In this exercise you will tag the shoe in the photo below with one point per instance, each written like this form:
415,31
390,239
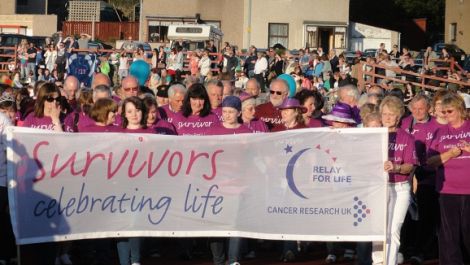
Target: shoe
330,259
250,255
289,256
348,254
416,260
65,259
135,263
235,263
400,258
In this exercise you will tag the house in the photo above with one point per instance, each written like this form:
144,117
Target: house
293,23
457,23
14,20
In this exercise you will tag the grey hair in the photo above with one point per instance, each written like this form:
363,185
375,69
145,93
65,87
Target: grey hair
419,97
215,82
102,88
350,90
176,88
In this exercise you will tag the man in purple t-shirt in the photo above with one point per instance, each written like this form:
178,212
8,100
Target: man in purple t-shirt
176,94
268,112
215,89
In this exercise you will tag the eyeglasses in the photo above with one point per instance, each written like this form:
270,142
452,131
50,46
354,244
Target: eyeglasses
275,92
134,89
52,99
449,111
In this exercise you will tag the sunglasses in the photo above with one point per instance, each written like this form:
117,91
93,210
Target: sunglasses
449,111
52,99
275,92
134,89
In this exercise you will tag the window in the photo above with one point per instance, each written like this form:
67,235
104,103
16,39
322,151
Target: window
453,32
311,34
278,33
340,38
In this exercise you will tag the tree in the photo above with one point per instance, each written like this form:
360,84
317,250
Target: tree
125,6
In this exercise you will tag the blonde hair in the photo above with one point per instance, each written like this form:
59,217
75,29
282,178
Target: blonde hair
394,104
456,101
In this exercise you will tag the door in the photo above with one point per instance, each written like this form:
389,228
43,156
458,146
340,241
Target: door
325,39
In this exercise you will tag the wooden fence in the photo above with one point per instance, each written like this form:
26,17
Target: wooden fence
104,31
6,53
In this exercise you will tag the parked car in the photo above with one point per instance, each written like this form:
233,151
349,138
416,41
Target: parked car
452,49
369,52
350,56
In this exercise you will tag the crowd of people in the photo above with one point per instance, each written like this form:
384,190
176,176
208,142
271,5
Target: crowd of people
429,134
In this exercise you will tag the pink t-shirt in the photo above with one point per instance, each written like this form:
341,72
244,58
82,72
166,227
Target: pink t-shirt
257,126
45,123
83,120
314,123
163,127
194,124
218,113
424,133
97,128
221,130
165,113
401,150
454,176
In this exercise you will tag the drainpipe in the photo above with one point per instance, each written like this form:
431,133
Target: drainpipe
249,24
141,30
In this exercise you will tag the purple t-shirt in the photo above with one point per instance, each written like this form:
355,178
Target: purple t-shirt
83,120
141,130
97,128
163,127
165,113
221,130
257,126
45,123
423,134
401,150
314,123
453,177
218,113
195,124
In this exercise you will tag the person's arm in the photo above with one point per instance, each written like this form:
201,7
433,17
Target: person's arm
441,159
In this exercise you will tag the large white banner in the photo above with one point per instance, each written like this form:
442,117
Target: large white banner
313,184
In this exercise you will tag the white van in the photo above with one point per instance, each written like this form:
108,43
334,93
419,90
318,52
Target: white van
194,36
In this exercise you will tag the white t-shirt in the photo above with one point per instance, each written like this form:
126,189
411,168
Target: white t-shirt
4,122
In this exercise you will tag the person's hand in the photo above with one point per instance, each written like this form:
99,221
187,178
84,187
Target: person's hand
388,166
465,146
55,113
455,152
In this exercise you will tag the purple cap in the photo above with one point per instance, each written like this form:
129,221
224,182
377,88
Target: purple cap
292,103
341,112
232,102
244,96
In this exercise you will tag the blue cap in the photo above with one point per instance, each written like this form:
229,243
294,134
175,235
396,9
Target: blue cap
232,102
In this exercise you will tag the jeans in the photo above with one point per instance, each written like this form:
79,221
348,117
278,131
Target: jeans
129,248
428,210
455,228
397,206
364,253
31,67
234,245
218,250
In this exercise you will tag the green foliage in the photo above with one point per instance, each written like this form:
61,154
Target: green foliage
125,6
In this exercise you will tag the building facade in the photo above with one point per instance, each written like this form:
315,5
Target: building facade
12,21
457,23
293,23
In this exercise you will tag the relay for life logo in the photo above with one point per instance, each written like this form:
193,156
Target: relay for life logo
325,171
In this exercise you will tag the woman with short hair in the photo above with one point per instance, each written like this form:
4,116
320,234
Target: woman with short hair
248,114
450,155
103,114
400,165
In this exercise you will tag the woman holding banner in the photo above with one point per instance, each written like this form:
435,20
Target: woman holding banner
400,165
450,154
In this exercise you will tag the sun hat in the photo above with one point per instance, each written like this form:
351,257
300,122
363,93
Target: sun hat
292,103
341,112
232,102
